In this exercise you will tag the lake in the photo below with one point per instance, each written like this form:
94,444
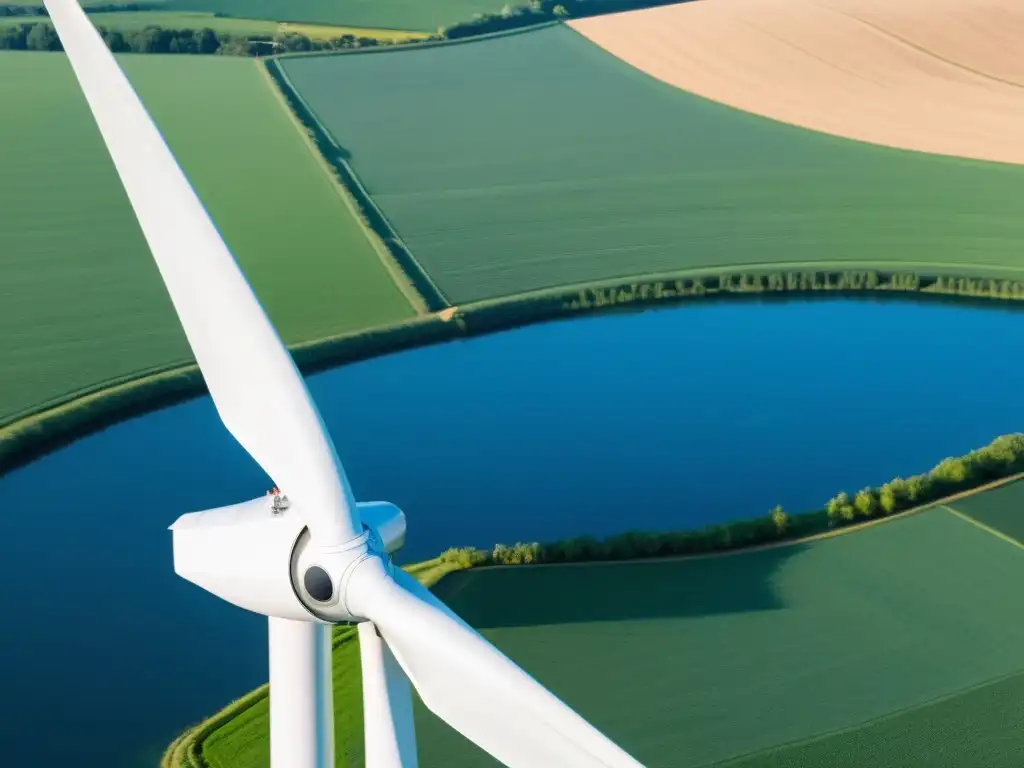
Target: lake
661,419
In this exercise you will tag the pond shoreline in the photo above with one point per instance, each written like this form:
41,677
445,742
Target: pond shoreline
38,433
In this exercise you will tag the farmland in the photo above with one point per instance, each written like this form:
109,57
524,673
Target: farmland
914,74
392,14
523,170
84,304
134,20
868,641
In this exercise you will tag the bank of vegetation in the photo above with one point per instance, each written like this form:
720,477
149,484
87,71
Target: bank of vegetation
155,38
999,462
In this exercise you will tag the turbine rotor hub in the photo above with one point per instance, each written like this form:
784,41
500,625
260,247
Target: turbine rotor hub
320,575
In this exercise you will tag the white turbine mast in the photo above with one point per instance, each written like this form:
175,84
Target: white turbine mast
320,559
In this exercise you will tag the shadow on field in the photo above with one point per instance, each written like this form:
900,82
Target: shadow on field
517,596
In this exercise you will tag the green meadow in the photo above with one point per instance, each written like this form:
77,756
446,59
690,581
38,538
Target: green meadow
869,641
1001,509
389,14
134,20
83,303
537,160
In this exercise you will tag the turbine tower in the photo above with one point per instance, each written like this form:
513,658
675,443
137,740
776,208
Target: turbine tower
320,558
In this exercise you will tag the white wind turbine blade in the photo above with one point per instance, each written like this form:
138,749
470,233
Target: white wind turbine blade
471,685
390,735
258,392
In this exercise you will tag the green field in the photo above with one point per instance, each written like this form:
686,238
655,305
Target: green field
1001,509
410,15
538,160
389,14
857,642
133,20
83,302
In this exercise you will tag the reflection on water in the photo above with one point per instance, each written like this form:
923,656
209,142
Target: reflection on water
661,419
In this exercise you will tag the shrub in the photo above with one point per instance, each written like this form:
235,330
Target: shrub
865,503
780,520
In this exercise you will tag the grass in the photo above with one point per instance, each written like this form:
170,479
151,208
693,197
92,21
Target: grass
387,14
979,727
84,303
83,3
539,160
1001,509
709,659
133,20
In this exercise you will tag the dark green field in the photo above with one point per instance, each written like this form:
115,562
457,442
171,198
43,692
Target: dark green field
982,727
388,14
694,662
538,160
1001,508
83,303
414,15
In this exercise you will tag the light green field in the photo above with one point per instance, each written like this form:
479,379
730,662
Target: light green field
694,662
414,15
387,14
406,15
83,303
83,3
133,20
538,160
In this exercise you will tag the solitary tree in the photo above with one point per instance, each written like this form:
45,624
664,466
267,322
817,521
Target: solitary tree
780,520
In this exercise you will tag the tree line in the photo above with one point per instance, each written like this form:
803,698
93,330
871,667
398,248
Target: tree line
839,282
1001,458
539,12
40,10
41,36
155,39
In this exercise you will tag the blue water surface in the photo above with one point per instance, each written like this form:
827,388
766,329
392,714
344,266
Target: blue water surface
664,419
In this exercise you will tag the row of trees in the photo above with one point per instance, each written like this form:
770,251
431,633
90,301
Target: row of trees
155,39
1003,457
40,10
538,12
41,36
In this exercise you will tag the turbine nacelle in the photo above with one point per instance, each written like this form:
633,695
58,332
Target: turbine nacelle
260,555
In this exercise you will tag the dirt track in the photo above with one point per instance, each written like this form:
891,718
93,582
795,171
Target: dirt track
943,76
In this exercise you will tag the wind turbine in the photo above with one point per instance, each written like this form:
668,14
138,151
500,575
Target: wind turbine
322,558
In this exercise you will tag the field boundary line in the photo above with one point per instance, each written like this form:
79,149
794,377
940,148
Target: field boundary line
404,258
725,763
778,544
978,524
394,270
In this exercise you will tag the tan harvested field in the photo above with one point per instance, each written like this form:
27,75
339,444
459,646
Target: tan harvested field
941,76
